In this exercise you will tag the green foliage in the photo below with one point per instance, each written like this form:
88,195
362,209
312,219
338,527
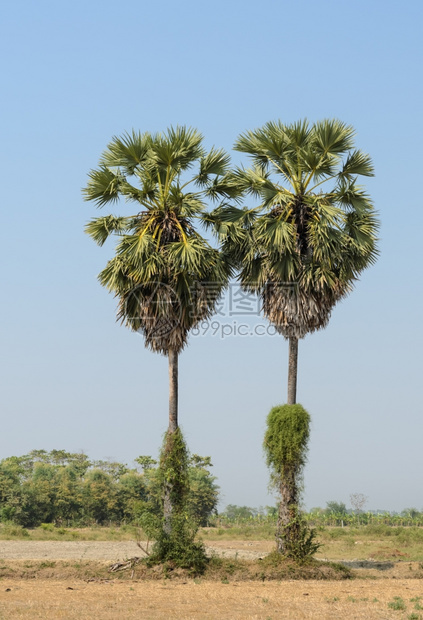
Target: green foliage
64,488
162,268
398,604
176,547
285,445
300,540
238,513
174,529
173,469
14,531
286,439
337,508
98,495
203,494
314,229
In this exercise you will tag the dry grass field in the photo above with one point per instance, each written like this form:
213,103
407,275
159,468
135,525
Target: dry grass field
204,600
70,579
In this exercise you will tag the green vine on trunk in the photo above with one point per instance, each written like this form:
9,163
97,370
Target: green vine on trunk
285,446
173,469
175,530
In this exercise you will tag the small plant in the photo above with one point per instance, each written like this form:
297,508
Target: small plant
397,604
418,606
414,616
47,564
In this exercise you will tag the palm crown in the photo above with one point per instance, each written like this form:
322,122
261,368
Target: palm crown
315,229
165,274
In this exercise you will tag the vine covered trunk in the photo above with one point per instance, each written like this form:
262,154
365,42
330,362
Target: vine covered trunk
287,529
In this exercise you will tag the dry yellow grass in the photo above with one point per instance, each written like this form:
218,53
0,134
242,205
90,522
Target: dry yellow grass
188,600
48,581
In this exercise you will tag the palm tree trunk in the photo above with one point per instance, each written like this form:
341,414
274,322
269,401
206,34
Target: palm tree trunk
173,425
292,371
173,391
287,525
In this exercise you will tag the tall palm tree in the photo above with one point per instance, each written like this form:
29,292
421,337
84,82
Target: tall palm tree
165,275
314,230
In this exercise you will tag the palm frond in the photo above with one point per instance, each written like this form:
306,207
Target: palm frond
101,228
103,186
216,162
177,149
332,136
357,162
127,152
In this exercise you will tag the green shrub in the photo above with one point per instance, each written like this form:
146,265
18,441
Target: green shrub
397,604
14,531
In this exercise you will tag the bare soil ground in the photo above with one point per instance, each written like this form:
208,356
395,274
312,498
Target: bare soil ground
113,551
51,597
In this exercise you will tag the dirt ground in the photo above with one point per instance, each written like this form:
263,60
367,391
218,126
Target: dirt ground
113,551
379,594
197,600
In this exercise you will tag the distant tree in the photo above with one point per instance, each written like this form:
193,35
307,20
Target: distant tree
412,513
146,462
234,512
99,497
131,496
203,494
11,475
271,511
358,501
68,491
336,508
112,468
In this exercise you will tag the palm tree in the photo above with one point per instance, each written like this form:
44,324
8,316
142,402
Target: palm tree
164,274
314,230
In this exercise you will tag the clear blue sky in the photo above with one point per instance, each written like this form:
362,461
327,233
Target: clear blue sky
76,73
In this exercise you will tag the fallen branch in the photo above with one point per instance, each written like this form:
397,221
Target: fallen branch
141,547
118,566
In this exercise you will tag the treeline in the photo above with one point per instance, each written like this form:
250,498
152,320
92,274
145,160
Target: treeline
334,515
69,489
